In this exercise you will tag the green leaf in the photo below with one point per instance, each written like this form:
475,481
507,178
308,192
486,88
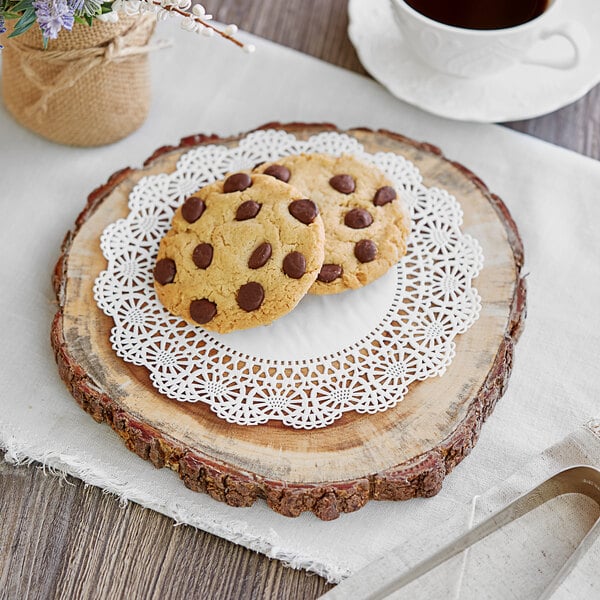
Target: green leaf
24,23
22,6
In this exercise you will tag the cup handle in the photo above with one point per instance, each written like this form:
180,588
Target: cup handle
575,34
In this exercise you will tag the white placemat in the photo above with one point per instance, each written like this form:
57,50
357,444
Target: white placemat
203,86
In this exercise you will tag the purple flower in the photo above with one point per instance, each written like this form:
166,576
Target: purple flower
2,28
52,16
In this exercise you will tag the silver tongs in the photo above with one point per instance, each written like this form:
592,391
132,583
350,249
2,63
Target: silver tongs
366,584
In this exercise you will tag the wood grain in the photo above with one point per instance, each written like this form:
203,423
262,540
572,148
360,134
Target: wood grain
73,516
61,539
402,453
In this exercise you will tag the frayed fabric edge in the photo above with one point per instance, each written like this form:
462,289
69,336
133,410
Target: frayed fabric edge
593,425
62,465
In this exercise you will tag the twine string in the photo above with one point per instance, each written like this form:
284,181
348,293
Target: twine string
75,64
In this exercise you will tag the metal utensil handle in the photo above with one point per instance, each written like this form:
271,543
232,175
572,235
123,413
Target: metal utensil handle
579,479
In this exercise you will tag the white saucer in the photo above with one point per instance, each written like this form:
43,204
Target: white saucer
521,92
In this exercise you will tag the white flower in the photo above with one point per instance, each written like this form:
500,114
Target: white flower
129,7
195,22
91,7
188,24
198,10
111,17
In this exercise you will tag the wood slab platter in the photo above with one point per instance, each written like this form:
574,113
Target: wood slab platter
399,454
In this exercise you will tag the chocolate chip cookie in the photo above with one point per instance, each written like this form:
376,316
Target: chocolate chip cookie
241,252
366,222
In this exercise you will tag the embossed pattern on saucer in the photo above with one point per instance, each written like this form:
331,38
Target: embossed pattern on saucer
521,92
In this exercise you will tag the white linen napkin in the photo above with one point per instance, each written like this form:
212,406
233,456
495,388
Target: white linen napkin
204,86
519,560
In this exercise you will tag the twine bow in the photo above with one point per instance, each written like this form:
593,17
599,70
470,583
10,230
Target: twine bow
75,64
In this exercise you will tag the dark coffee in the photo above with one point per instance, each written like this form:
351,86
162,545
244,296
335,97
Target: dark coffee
480,14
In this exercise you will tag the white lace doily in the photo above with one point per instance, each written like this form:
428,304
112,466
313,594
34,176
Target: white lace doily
356,351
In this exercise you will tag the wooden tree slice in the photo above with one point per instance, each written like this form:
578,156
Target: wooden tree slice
394,455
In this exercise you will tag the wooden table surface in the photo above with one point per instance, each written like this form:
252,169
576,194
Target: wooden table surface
61,539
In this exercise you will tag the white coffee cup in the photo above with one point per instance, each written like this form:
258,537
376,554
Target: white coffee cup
478,52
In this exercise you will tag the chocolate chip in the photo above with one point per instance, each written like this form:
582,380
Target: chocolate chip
192,209
260,256
237,182
342,183
247,210
384,195
202,255
365,251
357,218
202,311
294,265
279,172
165,270
305,211
250,296
329,273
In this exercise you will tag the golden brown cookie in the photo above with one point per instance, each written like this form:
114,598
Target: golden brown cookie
366,222
240,253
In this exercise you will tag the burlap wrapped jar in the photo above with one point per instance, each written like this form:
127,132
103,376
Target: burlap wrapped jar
90,87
